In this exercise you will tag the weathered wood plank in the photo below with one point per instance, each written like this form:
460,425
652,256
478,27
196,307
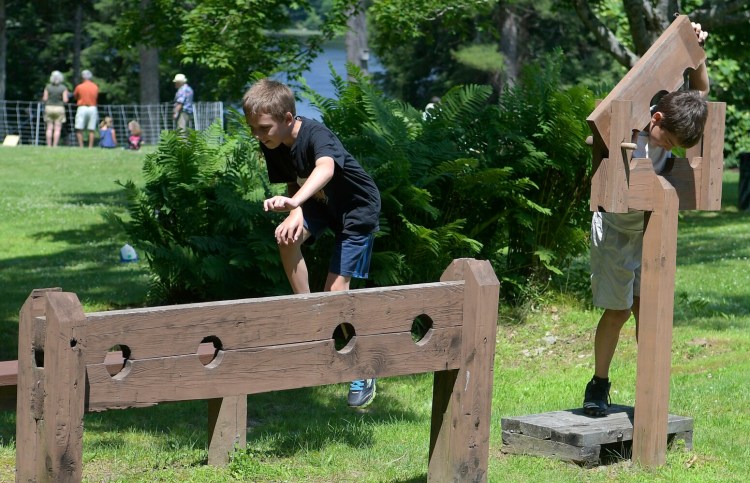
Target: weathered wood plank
516,443
65,385
242,324
659,69
609,185
682,174
460,428
30,397
713,152
658,268
263,369
227,428
572,427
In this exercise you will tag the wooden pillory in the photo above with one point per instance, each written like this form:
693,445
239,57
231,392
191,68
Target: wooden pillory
256,345
620,184
692,183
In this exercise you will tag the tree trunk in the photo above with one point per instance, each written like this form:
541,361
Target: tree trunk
3,50
149,74
149,68
357,49
512,36
77,43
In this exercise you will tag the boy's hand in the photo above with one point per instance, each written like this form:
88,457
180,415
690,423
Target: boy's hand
290,230
700,33
280,203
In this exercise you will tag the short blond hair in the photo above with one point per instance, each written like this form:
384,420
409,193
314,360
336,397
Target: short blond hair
268,96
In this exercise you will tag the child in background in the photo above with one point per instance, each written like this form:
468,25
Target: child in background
107,135
134,140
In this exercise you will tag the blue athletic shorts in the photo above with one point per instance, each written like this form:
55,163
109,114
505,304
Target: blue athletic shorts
351,253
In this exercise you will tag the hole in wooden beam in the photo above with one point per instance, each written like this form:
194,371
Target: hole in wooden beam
39,358
344,337
118,362
421,329
204,351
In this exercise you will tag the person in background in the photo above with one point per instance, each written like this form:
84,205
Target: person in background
134,139
107,135
86,94
182,113
55,97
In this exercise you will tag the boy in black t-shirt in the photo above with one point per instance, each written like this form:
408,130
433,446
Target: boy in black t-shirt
326,187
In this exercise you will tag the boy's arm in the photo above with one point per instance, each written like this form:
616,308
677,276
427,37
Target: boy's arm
698,78
319,177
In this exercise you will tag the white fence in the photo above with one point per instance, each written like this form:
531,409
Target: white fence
26,119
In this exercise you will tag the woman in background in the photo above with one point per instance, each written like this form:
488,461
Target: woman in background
55,97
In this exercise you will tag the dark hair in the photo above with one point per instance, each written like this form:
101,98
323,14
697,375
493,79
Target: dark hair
684,115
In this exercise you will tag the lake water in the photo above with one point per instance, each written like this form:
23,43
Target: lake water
318,77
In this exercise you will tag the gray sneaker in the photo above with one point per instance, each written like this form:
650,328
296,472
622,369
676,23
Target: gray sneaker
361,393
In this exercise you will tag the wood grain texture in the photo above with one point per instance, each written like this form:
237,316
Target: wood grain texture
30,390
461,419
713,153
659,69
222,351
271,368
244,324
655,327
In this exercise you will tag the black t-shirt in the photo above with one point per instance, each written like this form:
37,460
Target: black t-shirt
351,196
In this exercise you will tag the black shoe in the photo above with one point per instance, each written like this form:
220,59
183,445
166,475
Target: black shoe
361,393
596,398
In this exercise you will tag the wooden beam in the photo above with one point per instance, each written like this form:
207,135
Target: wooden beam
655,326
713,154
660,69
462,401
65,386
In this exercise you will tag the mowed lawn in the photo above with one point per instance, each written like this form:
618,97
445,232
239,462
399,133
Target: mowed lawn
52,234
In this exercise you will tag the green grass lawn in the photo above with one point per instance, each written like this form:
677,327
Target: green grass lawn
52,234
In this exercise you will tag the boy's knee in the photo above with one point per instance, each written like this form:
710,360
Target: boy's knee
618,317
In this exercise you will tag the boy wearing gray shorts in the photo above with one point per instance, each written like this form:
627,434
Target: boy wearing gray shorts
326,189
678,119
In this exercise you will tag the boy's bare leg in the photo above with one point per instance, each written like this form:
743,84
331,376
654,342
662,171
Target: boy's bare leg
336,282
295,266
91,139
79,137
605,341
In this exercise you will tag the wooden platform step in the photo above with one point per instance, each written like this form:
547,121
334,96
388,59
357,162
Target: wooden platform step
570,435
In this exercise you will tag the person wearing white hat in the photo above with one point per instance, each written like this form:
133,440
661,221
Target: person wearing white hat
183,103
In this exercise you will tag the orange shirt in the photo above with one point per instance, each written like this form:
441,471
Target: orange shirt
86,93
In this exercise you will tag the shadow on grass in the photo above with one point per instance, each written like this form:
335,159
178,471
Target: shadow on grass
90,267
280,424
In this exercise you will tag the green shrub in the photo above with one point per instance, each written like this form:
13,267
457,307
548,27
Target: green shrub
503,180
506,181
199,218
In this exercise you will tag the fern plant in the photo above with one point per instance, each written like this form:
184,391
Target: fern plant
199,218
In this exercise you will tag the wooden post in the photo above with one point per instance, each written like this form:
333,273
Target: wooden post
713,156
227,427
462,398
65,384
30,393
609,185
658,267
